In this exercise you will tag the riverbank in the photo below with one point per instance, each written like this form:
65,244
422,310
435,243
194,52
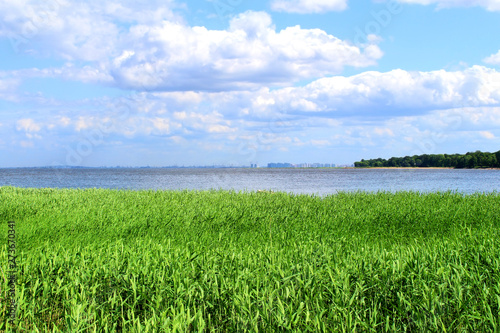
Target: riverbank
229,261
421,168
402,168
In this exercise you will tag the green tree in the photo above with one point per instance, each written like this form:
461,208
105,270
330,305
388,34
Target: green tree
469,160
489,160
362,164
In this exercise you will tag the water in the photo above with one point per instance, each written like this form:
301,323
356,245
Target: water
307,181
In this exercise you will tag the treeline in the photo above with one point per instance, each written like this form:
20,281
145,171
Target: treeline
471,160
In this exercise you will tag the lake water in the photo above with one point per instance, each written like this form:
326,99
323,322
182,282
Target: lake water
308,181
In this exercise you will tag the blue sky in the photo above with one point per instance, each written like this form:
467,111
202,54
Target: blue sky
236,82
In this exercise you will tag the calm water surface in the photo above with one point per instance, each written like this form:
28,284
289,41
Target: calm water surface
308,181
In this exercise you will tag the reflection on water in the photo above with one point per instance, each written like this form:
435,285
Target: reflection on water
310,181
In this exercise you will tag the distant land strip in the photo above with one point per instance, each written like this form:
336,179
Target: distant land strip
469,160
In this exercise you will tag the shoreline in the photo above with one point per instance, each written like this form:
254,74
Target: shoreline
421,168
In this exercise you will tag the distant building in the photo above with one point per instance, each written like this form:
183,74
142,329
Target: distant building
301,165
279,165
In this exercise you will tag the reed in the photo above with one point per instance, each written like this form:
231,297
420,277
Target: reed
99,260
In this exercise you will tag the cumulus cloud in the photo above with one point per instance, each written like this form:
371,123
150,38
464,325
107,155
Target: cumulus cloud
320,114
229,89
76,30
130,46
250,53
494,59
28,125
491,5
381,95
308,6
397,92
337,101
30,128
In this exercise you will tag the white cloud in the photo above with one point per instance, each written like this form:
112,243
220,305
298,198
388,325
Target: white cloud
324,102
64,121
209,121
173,56
76,30
166,54
383,131
383,95
487,135
494,59
28,125
219,129
162,125
476,119
85,74
491,5
397,92
308,6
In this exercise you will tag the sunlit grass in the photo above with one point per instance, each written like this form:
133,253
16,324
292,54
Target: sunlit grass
138,261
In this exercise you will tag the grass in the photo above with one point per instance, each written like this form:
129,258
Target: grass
219,261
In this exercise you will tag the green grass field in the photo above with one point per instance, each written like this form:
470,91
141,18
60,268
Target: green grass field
218,261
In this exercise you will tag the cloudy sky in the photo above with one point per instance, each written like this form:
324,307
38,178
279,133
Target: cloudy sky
234,82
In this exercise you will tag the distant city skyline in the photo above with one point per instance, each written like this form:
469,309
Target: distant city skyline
252,165
233,82
301,165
